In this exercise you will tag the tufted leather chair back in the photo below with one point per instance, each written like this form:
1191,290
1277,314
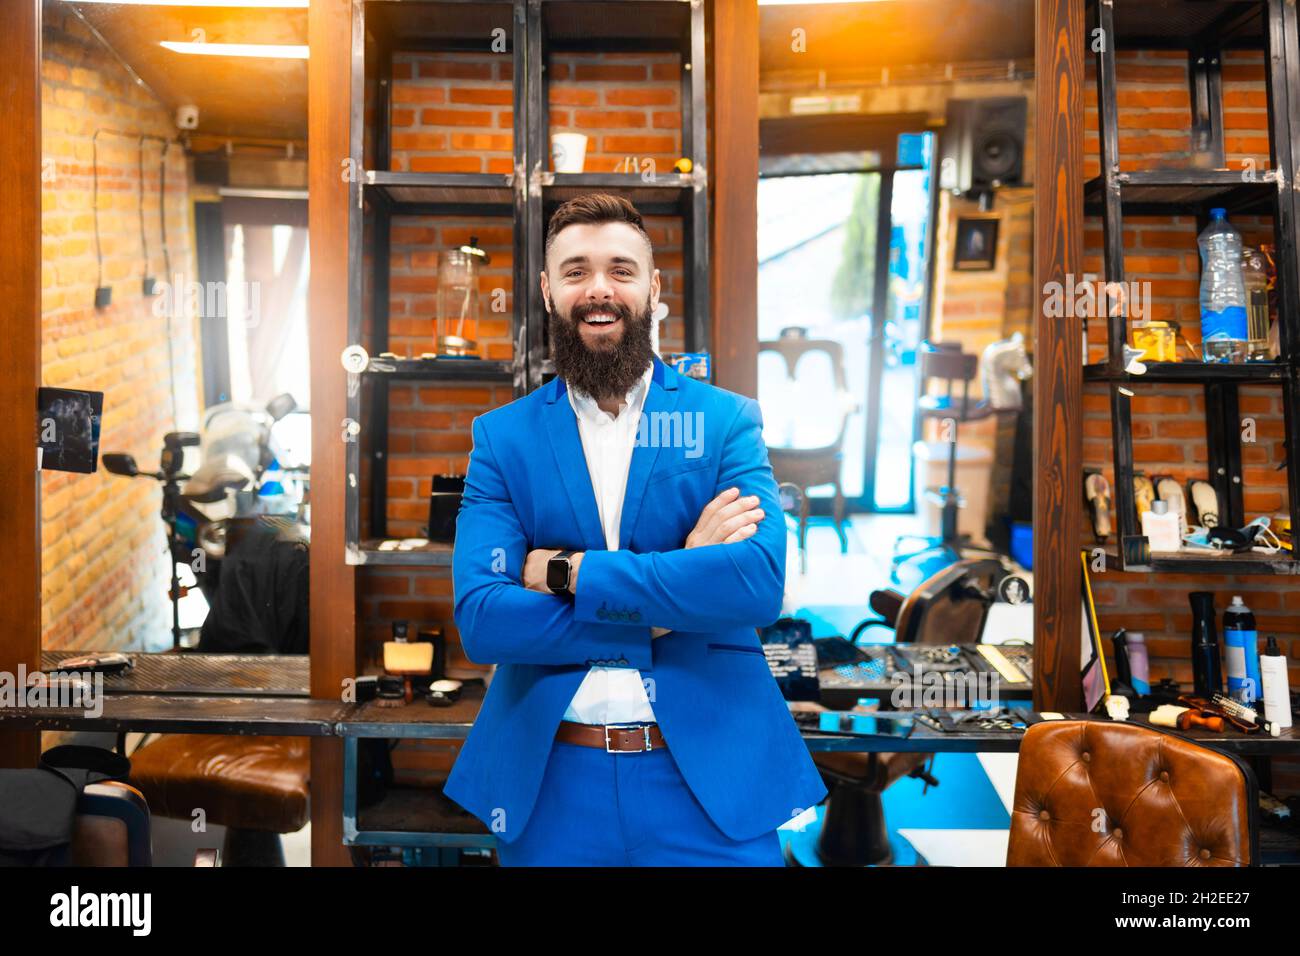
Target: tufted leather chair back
1103,793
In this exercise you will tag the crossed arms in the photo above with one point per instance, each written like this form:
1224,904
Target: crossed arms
725,576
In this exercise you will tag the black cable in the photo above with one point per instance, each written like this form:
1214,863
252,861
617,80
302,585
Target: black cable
94,161
144,238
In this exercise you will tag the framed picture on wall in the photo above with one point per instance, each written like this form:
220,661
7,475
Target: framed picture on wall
976,246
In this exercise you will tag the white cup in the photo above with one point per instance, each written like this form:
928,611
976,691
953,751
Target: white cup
568,151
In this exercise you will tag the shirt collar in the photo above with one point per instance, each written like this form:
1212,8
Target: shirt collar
585,407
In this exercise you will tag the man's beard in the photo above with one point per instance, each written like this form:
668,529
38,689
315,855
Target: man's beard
603,372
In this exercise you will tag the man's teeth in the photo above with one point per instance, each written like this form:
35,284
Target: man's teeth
600,318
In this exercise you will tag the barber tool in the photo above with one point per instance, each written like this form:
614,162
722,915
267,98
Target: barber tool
1166,715
392,692
1117,707
1191,718
443,693
406,659
366,687
1123,683
1240,711
1096,490
1207,678
1001,663
1137,550
1228,716
1277,692
97,663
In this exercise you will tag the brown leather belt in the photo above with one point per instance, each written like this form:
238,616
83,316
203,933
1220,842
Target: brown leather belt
611,737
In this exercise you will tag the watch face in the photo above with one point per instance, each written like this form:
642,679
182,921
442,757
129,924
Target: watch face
557,574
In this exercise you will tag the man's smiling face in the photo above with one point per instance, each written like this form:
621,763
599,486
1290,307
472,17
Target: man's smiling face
600,278
600,287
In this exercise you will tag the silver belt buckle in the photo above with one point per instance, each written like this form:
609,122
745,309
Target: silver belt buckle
645,729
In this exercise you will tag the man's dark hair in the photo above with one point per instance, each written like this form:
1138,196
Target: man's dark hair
596,209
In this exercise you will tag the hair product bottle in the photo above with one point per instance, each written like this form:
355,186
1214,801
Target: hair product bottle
1205,645
1277,689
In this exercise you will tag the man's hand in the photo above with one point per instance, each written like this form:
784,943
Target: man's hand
726,519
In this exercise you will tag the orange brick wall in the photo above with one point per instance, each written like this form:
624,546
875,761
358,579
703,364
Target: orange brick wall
1169,420
104,568
453,113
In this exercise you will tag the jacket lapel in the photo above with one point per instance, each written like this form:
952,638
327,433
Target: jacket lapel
566,443
660,398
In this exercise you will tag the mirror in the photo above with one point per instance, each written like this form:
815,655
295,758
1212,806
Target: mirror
175,268
895,247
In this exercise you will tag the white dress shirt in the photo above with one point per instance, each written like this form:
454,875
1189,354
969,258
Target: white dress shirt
610,695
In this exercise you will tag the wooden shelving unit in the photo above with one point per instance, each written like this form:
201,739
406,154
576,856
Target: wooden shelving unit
533,31
1204,31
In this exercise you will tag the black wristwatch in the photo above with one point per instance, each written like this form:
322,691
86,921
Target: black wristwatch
558,570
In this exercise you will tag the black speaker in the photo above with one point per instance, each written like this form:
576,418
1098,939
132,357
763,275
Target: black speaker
983,144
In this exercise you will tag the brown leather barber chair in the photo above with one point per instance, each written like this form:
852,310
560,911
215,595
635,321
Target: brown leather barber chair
257,787
1103,793
947,608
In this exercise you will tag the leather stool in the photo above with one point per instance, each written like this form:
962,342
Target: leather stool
257,787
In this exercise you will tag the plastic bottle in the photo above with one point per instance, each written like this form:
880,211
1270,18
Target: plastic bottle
1223,293
1207,676
1138,663
1241,652
1277,690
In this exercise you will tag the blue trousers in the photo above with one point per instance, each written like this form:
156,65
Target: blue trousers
625,809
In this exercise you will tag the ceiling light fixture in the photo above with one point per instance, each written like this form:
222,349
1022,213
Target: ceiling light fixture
282,51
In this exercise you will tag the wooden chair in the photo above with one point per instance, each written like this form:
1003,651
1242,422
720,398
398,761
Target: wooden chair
809,467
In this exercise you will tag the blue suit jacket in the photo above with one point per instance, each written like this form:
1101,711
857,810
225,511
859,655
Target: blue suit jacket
718,707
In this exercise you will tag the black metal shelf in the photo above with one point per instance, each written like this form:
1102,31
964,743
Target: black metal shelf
1165,191
1250,562
442,369
429,555
664,194
1193,373
528,33
418,193
1203,30
441,26
617,25
1180,24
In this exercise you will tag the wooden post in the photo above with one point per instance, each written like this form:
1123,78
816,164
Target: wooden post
733,130
20,356
1058,360
333,583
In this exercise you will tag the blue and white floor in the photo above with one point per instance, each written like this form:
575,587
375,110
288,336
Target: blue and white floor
965,820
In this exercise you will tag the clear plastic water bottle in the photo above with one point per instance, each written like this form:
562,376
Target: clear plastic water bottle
1223,292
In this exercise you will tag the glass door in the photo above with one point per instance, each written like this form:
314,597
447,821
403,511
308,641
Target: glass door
843,258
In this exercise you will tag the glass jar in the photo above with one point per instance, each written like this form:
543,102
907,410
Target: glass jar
458,304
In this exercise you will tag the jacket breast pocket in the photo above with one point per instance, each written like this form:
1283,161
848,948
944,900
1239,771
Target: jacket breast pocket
735,649
682,467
